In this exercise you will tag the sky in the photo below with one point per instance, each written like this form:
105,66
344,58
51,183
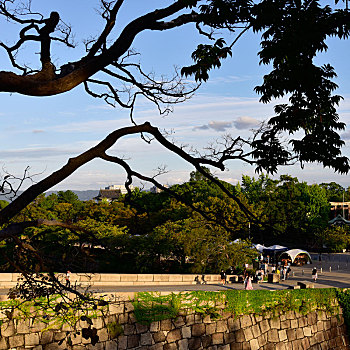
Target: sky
43,132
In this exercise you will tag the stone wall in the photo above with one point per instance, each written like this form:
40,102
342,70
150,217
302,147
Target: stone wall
289,331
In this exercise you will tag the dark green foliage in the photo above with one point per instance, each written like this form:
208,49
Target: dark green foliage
344,301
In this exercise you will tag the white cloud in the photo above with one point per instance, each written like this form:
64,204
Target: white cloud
245,122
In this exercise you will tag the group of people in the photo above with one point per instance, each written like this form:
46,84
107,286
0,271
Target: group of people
284,271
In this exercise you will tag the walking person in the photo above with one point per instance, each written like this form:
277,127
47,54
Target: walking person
68,279
314,274
223,277
248,283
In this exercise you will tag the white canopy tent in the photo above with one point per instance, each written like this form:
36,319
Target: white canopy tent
293,254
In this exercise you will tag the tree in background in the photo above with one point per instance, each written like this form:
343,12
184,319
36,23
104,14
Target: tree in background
293,33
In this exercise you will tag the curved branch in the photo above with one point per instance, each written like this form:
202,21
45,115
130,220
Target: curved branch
99,151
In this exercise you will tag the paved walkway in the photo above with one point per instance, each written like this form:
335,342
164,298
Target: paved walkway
335,273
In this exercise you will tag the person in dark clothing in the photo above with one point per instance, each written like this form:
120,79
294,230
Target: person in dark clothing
223,277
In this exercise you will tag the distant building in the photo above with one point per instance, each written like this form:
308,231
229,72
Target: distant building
155,189
112,193
340,208
122,188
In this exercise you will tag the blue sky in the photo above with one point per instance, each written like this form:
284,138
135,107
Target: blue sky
44,132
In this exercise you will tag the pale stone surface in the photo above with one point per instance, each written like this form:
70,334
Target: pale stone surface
282,335
154,326
186,332
31,339
183,344
16,341
3,344
254,345
307,331
8,329
217,338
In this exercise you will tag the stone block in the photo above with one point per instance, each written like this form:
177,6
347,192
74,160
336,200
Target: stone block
236,346
282,335
294,324
307,331
198,318
285,324
240,337
262,340
299,333
246,321
128,307
233,324
206,341
128,278
116,308
229,338
31,339
171,346
179,322
3,344
141,328
264,326
248,334
198,329
175,278
133,340
272,336
319,337
8,329
217,338
16,341
166,325
194,343
273,278
145,277
122,342
254,344
311,318
103,334
210,328
221,326
159,337
275,323
306,284
183,344
327,325
173,336
154,326
281,346
302,322
189,320
129,329
306,344
186,332
158,346
146,339
269,346
319,326
290,315
111,345
256,331
46,337
161,278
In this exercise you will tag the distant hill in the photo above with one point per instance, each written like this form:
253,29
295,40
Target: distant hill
82,195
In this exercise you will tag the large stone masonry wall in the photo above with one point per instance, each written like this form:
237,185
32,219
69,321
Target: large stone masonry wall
290,331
